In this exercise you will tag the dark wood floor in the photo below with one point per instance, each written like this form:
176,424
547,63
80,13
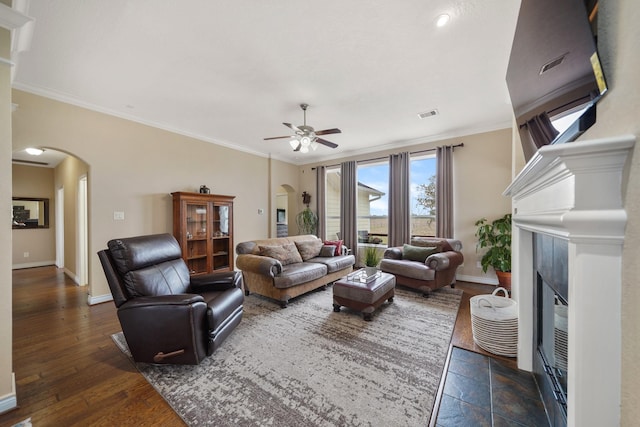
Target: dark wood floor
69,372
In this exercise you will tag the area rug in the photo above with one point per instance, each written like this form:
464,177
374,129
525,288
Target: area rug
307,365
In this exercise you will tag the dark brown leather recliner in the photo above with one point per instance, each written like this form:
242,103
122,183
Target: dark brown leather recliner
166,315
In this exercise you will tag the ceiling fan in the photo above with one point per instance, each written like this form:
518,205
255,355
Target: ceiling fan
306,137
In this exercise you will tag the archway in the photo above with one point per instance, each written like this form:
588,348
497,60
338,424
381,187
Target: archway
56,175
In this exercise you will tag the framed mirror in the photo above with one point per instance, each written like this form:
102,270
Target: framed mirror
29,213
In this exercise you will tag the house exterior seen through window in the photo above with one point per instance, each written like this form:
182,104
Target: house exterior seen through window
373,200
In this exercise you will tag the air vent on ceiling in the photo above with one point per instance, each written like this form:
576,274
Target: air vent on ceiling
553,63
426,114
30,162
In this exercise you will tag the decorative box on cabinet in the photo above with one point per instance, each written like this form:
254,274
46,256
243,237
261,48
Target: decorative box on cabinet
203,225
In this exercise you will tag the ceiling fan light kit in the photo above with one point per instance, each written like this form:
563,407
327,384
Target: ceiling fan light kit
306,137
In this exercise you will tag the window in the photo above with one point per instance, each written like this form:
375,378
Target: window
373,209
423,196
332,204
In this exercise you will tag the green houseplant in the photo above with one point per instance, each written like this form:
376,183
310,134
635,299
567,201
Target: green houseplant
307,221
496,237
371,258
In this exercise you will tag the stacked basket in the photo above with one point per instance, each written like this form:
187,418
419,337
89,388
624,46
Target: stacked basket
494,323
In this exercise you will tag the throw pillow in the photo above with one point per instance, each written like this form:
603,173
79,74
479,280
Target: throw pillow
328,251
309,248
417,253
286,254
429,242
336,243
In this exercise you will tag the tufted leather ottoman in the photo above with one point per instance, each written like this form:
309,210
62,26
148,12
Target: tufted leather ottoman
364,297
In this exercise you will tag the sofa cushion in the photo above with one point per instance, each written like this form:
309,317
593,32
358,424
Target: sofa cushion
286,254
336,243
309,248
413,269
298,273
327,251
417,253
335,263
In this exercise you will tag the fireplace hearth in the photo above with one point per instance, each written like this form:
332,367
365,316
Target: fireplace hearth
571,195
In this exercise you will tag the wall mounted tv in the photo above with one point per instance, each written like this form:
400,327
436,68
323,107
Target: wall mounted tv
554,74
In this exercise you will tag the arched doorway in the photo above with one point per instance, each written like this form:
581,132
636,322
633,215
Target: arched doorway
55,175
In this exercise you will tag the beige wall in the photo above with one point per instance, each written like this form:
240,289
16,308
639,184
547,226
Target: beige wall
67,175
6,318
482,171
134,168
40,243
618,113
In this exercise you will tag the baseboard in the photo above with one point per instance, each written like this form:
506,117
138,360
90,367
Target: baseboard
32,264
477,279
9,401
99,299
72,276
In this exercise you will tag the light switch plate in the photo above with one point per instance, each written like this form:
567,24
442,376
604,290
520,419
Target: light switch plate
118,216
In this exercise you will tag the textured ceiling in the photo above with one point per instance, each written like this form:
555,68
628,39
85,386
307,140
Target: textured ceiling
230,72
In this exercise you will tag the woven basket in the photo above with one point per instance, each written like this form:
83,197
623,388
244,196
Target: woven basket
494,323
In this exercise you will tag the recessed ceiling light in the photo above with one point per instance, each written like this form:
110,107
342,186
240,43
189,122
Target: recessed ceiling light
34,151
442,20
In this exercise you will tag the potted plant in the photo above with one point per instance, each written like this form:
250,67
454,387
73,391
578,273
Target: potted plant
496,236
307,221
372,258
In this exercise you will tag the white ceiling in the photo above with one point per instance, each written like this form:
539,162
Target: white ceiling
230,72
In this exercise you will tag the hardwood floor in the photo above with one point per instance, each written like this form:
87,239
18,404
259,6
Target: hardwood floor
69,372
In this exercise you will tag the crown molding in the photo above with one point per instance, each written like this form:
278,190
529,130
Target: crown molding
11,19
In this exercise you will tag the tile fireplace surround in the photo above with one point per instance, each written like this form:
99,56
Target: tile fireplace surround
574,192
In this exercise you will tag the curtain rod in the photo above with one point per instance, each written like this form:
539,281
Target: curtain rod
382,158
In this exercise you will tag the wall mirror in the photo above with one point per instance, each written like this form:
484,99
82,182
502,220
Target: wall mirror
30,212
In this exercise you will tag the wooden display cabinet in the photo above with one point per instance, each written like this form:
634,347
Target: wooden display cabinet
203,225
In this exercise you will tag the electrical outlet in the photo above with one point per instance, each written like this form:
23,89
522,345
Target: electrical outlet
118,216
26,254
479,264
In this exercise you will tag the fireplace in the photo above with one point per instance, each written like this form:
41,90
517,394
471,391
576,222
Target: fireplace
550,333
571,196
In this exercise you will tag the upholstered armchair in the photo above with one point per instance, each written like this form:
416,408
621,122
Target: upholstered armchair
426,264
166,315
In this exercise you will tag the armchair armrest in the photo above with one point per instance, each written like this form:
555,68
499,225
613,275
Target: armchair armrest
166,328
444,260
393,253
216,281
162,300
259,264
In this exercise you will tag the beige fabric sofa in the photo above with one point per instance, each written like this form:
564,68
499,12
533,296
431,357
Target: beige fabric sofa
282,276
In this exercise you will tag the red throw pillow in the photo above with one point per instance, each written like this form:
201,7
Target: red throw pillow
337,244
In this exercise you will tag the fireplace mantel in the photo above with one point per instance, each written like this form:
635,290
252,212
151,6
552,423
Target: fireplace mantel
574,191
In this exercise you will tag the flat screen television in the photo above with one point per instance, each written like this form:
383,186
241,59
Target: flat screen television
554,75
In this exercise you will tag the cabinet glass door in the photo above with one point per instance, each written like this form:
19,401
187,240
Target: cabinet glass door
220,237
196,238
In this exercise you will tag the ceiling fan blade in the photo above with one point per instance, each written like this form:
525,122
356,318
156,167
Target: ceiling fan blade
298,147
328,131
293,127
327,143
277,137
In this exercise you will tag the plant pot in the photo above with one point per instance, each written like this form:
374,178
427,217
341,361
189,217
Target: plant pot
371,271
504,279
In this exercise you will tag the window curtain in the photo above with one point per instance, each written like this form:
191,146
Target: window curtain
399,200
348,204
444,191
321,172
